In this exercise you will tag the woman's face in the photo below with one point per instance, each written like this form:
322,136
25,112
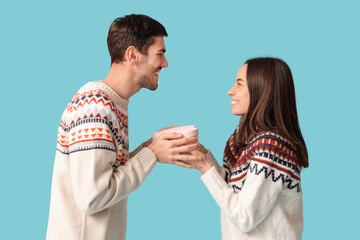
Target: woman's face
239,93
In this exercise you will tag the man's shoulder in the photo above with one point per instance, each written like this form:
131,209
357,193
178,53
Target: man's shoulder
91,90
89,102
91,96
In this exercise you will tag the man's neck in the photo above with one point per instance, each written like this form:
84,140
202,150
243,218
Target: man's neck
122,80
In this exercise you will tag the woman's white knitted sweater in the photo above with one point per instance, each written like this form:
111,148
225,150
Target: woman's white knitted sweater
259,192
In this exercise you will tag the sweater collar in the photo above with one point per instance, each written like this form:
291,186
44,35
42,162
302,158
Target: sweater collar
119,101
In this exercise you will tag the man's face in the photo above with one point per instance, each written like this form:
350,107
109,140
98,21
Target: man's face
151,64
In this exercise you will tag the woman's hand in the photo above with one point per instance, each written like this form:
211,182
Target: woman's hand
202,149
203,165
175,149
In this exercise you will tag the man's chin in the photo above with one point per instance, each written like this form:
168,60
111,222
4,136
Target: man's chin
146,83
154,87
151,87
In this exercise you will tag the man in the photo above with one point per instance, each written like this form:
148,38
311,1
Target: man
93,170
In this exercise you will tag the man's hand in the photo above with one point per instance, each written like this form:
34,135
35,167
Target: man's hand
173,148
148,142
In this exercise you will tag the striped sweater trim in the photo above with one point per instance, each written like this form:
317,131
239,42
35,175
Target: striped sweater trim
274,165
84,126
94,96
115,132
269,149
264,142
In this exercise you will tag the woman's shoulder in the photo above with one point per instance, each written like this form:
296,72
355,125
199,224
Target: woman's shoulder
273,142
273,146
271,137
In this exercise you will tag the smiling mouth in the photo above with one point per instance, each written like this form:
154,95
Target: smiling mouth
234,102
158,71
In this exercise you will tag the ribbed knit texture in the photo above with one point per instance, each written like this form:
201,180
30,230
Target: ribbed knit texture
93,174
258,192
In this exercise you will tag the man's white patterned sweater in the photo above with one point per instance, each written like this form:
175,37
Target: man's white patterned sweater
93,170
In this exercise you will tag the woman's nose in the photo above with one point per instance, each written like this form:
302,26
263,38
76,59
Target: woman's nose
231,92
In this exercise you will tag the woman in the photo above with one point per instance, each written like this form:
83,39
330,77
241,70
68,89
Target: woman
258,188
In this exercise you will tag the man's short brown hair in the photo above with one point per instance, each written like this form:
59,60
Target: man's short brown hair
132,30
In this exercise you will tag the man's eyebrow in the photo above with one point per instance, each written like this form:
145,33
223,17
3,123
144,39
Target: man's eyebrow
162,50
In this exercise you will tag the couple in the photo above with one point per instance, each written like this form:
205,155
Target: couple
258,187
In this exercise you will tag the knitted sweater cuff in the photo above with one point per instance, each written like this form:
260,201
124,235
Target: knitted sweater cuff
214,182
211,159
137,150
146,158
215,164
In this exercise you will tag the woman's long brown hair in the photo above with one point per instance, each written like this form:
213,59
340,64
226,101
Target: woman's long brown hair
272,106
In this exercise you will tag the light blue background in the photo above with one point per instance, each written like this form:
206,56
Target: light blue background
49,49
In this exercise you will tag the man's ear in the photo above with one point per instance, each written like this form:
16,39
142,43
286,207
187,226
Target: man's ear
132,55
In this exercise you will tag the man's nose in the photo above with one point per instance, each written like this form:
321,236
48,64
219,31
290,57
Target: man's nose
165,63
